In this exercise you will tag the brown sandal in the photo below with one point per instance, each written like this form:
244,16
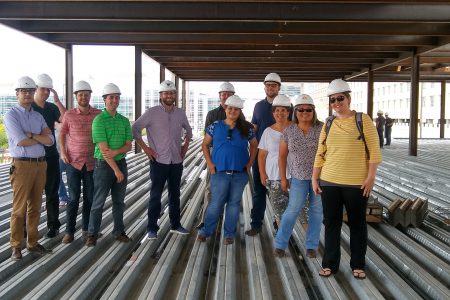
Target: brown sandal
325,272
359,274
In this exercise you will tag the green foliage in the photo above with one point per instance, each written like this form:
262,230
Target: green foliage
3,138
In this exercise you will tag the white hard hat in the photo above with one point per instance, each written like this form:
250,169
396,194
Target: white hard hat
167,86
338,86
281,100
226,87
273,77
25,82
386,114
82,86
235,101
380,112
304,99
44,81
110,88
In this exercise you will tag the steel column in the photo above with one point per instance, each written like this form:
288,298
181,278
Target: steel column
137,87
442,118
162,73
370,93
183,94
414,104
68,97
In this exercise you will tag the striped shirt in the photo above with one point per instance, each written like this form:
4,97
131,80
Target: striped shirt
18,121
345,160
113,130
77,127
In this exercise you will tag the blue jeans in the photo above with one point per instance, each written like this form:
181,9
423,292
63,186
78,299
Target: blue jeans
159,174
300,189
258,199
104,182
74,179
227,189
62,192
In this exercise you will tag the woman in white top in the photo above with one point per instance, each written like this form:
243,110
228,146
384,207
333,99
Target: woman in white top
268,155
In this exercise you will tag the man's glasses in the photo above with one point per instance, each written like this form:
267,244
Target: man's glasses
304,110
338,98
230,133
24,91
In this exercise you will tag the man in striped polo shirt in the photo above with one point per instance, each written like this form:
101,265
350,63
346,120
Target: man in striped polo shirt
76,134
111,133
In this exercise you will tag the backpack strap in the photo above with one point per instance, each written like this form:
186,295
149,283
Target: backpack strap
328,123
359,125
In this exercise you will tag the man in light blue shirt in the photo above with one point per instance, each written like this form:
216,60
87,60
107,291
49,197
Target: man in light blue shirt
27,134
164,124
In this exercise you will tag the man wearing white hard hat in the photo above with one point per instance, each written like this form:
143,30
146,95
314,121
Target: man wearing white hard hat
111,134
380,122
164,124
78,155
52,113
262,118
27,134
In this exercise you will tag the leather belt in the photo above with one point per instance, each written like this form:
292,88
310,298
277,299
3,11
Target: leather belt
30,159
231,172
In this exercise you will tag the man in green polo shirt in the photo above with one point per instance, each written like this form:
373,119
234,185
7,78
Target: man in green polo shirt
111,134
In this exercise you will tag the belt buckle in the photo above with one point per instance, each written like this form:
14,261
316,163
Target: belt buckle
229,172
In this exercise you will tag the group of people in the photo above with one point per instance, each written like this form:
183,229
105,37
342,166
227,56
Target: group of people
93,145
295,159
384,128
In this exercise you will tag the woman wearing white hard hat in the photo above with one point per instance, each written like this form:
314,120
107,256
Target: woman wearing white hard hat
298,148
229,165
269,146
344,174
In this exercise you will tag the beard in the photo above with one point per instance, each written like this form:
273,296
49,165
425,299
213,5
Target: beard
168,102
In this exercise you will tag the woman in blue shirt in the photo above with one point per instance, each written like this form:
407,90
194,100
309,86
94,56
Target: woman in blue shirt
229,165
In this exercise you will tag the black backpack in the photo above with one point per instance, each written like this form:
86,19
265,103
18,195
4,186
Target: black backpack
359,125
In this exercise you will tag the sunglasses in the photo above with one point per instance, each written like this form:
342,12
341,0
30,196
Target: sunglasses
230,133
338,98
24,91
304,110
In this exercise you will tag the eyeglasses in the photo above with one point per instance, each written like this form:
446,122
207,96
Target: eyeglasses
24,91
230,133
338,98
304,110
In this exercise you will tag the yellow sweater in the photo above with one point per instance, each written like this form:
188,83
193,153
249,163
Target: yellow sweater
345,160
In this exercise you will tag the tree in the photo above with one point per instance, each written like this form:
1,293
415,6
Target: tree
3,138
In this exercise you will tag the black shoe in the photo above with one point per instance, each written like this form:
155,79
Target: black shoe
253,231
52,232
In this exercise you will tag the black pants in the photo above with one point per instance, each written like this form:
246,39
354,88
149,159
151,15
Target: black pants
388,131
258,199
381,137
334,198
159,174
51,192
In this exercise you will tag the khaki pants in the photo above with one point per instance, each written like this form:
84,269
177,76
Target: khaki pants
28,182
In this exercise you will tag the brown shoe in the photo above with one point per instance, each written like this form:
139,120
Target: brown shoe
91,241
279,252
201,238
123,238
16,254
228,241
68,238
39,249
311,253
253,231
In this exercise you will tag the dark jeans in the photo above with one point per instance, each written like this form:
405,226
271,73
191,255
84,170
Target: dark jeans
62,192
258,199
74,179
104,182
159,174
51,192
380,137
387,132
334,198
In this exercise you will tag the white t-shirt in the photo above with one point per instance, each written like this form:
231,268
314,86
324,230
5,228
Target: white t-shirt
270,141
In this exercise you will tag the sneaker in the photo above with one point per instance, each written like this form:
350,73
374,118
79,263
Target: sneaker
68,238
228,241
16,254
91,241
201,238
123,238
279,252
180,230
253,231
311,253
39,249
152,235
52,232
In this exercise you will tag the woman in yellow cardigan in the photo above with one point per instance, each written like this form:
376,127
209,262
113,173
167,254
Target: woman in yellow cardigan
344,174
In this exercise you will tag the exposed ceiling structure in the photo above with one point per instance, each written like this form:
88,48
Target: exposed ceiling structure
244,40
